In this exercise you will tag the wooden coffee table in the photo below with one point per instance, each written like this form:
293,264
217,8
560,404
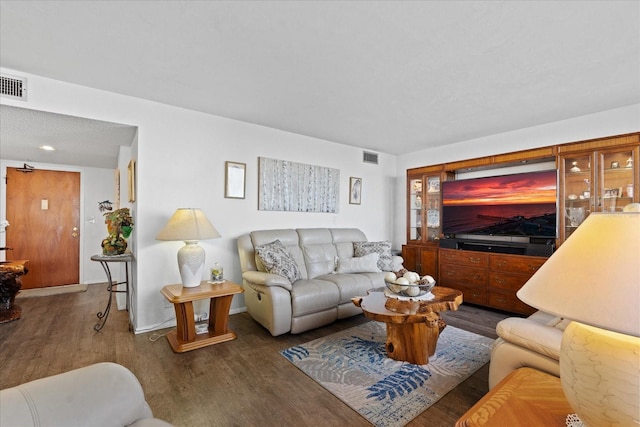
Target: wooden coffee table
413,327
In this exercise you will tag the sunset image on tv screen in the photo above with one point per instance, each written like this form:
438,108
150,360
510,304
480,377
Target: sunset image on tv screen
537,187
522,204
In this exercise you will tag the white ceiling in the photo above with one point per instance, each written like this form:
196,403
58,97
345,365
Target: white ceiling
387,76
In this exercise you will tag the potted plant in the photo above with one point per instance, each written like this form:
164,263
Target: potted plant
119,226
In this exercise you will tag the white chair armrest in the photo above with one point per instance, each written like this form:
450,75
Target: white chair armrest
532,335
267,279
103,394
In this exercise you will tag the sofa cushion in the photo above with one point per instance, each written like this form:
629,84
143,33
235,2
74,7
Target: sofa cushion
383,249
363,264
343,238
320,259
277,260
313,295
352,285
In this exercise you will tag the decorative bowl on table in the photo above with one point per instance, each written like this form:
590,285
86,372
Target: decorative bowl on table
409,284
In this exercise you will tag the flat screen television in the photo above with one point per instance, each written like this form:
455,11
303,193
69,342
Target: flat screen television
522,204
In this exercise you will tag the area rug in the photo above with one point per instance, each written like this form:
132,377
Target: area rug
53,290
353,365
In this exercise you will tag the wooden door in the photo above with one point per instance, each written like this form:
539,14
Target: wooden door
43,210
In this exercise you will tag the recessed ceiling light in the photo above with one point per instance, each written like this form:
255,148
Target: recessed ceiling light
47,148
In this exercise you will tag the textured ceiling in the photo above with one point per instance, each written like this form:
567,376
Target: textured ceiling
78,141
392,77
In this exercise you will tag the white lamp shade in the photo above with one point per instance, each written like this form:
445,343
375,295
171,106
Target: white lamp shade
189,225
594,277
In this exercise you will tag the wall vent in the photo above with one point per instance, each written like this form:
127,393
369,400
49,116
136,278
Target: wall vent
368,157
13,87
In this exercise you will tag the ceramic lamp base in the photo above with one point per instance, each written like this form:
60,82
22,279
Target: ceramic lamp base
600,375
191,259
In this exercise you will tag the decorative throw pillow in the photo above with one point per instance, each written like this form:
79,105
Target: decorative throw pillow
277,260
363,264
383,249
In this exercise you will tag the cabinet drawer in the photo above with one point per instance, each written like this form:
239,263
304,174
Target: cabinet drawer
475,259
507,281
515,263
450,273
473,295
508,302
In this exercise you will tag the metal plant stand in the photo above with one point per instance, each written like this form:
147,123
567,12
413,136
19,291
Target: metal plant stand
112,286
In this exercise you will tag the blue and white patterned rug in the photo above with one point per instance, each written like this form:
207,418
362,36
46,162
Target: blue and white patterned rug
353,365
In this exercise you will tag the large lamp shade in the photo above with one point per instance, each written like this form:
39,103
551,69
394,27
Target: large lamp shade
189,225
594,276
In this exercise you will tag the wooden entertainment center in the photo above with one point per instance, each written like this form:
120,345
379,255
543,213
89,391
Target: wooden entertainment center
593,176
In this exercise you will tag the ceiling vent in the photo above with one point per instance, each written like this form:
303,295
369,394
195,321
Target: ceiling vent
14,87
368,157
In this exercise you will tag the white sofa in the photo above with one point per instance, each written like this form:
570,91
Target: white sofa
532,342
330,274
99,395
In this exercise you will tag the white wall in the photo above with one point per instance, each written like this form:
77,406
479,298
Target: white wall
180,163
606,123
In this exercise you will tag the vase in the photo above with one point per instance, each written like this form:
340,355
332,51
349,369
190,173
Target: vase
114,245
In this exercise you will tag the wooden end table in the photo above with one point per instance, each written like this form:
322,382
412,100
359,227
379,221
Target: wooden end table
525,397
184,338
413,327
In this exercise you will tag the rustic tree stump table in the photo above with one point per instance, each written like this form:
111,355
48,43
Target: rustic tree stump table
413,327
10,284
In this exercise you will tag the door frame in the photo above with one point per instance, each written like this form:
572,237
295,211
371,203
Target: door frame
4,164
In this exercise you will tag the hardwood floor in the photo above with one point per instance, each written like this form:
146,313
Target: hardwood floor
245,382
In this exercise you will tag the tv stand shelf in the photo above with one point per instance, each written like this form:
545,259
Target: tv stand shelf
488,279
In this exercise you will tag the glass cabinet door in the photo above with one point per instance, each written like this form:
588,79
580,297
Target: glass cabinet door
415,209
433,208
616,180
576,203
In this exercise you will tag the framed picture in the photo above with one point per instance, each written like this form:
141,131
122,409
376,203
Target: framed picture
355,190
132,181
612,192
234,180
117,188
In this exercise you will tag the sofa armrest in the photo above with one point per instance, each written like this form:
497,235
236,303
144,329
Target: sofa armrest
532,335
99,395
267,279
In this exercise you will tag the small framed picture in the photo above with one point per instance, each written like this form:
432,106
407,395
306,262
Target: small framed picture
355,190
234,180
132,180
612,192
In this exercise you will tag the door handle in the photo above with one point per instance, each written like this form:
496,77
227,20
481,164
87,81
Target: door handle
74,233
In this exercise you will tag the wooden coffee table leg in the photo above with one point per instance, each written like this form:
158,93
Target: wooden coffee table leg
414,342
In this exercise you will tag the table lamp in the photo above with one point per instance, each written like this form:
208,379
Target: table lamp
593,279
190,225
